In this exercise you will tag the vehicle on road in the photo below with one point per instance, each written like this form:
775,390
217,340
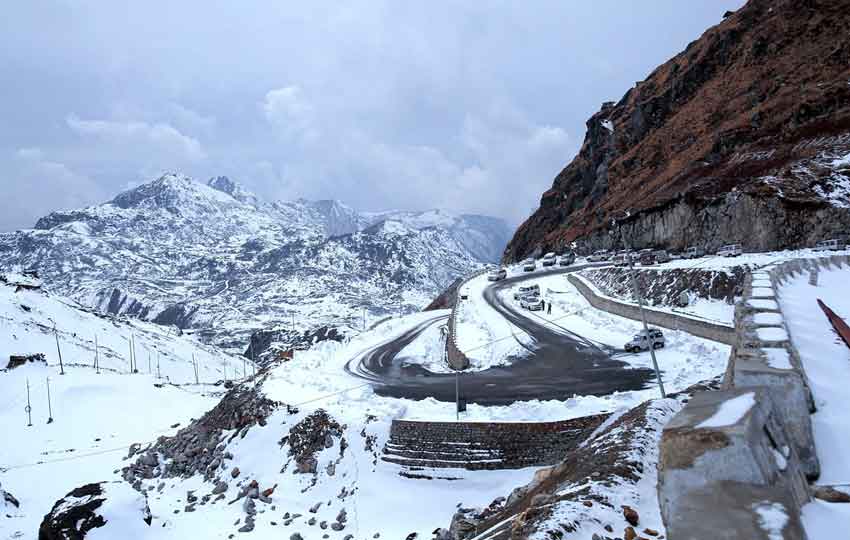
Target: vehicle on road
598,256
620,259
646,257
693,252
661,256
643,340
828,245
531,303
549,259
529,265
731,250
567,259
527,290
497,274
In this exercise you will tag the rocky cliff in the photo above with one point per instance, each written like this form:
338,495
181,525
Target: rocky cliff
742,137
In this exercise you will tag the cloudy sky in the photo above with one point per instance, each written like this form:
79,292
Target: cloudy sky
467,105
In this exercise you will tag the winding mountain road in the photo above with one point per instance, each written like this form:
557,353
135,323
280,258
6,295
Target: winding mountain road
560,364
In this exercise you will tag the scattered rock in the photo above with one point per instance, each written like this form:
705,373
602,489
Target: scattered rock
220,487
629,534
311,521
650,532
296,536
832,495
82,509
587,504
631,515
235,472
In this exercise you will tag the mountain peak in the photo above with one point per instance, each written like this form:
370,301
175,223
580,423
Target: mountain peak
232,188
171,191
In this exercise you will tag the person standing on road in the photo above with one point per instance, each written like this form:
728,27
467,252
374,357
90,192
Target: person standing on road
549,308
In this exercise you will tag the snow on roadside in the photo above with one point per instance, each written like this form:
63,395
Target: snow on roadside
485,336
686,359
826,360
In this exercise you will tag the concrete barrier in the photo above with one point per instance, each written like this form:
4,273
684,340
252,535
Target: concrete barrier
716,481
672,321
724,460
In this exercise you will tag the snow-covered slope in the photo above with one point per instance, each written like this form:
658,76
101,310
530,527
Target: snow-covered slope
97,413
214,259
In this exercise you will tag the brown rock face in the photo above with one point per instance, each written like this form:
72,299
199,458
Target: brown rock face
735,139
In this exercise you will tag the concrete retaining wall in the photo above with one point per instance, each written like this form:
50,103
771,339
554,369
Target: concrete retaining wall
672,321
485,445
716,478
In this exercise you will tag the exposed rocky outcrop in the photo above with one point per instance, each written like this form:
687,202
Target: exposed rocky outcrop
267,346
447,298
742,137
85,508
200,447
666,288
311,435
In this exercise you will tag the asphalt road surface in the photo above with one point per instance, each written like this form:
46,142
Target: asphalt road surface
559,363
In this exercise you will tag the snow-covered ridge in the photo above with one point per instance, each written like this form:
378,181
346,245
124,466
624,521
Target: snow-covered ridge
215,259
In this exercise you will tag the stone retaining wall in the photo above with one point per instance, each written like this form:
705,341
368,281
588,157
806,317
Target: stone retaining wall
457,359
672,321
485,445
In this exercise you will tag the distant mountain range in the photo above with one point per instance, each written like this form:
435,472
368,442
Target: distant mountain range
214,259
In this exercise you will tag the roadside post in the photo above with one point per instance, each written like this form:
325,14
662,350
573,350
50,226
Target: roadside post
639,296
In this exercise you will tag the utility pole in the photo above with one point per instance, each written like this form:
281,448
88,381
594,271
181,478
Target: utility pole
364,319
28,408
149,361
49,406
639,296
58,350
158,375
253,362
130,346
133,345
195,367
96,356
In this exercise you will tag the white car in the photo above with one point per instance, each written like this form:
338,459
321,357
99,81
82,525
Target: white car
693,252
732,250
549,259
828,245
529,265
497,274
527,290
567,259
531,303
598,256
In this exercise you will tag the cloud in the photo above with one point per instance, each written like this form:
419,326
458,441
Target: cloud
38,186
287,110
461,105
31,153
162,136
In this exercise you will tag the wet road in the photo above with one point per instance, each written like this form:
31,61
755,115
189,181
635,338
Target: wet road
559,363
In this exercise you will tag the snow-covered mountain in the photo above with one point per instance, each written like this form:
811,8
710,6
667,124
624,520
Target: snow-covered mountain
215,259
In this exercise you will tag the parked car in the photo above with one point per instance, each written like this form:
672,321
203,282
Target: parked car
661,256
693,252
732,250
620,260
531,303
567,259
643,340
646,257
828,245
497,274
598,256
527,290
548,259
529,265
